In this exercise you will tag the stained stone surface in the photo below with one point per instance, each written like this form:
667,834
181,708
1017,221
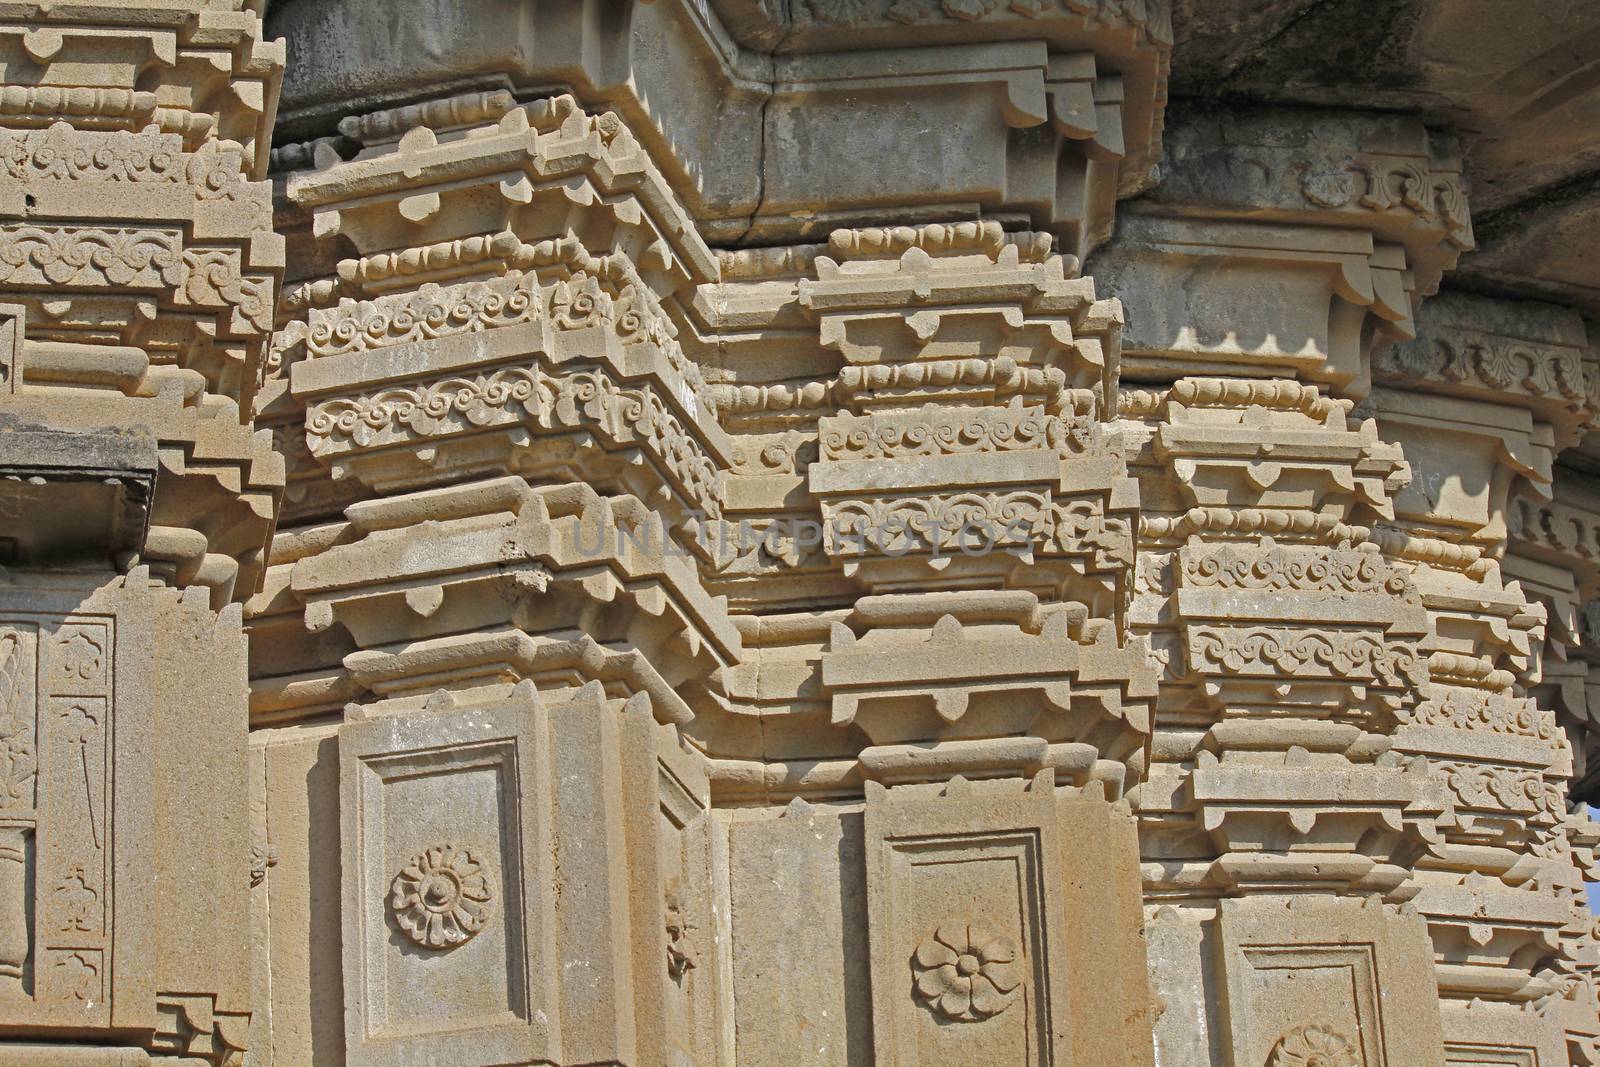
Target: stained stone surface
857,533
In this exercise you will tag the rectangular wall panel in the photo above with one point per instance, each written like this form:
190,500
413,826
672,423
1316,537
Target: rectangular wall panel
439,957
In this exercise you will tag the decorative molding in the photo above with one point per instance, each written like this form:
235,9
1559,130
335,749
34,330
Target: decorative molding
1515,792
1468,709
122,257
61,152
1288,652
1342,569
585,399
424,314
1498,366
82,106
1411,186
933,431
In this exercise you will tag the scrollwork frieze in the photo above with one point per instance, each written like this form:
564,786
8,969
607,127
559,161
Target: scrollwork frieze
970,521
1342,569
112,257
218,172
978,522
938,431
1430,195
1494,364
443,406
1464,709
1353,655
60,152
147,259
791,452
587,399
1555,527
430,312
1389,183
1083,528
214,278
1151,17
1515,791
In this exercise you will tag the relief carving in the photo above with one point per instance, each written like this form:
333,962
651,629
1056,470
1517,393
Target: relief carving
1414,187
681,957
15,942
582,400
262,857
133,189
578,303
82,658
431,311
503,309
61,152
932,432
1315,1046
1341,570
18,774
442,897
71,255
970,522
966,970
213,278
1466,709
434,408
1267,649
76,976
76,902
80,725
18,758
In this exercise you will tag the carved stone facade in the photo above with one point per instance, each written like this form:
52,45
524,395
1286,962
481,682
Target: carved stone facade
835,532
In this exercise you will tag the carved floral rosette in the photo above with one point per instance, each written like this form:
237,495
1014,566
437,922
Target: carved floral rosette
1314,1046
966,971
442,897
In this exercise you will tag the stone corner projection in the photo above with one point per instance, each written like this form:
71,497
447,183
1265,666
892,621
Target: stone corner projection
799,533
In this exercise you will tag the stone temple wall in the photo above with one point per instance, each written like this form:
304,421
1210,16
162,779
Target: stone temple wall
843,533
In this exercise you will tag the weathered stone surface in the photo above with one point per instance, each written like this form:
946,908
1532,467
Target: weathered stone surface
844,532
138,273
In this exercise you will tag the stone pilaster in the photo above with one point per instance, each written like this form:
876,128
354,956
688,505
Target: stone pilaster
589,461
138,272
